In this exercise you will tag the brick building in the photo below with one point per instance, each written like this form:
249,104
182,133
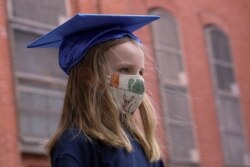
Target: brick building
197,75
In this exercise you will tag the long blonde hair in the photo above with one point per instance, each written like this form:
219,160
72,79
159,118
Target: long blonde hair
89,107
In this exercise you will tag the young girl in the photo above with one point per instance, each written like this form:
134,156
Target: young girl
107,119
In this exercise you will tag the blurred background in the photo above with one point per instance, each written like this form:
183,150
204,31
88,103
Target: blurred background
197,74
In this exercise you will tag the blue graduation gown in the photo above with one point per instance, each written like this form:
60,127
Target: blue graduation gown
74,149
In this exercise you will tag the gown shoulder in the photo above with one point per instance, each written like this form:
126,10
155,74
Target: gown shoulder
75,149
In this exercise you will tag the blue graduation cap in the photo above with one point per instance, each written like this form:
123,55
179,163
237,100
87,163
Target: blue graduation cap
83,31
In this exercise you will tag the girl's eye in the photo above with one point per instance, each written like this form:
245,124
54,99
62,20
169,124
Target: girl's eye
124,70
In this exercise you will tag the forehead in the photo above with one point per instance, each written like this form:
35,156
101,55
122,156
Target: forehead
127,52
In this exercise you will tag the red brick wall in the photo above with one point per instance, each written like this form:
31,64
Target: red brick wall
192,15
9,151
231,16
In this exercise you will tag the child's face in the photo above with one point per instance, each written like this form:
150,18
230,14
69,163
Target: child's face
126,58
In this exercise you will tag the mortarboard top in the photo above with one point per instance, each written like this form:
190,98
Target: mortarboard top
83,31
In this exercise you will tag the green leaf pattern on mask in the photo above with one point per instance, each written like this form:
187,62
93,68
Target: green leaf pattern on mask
136,86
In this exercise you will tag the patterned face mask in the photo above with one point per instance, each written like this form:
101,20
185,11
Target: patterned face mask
127,91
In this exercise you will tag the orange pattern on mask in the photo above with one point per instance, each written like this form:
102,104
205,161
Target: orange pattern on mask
114,81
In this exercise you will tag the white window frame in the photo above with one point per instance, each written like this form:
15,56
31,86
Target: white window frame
220,92
194,159
30,144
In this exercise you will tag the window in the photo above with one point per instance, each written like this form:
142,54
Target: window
40,84
45,11
227,98
174,92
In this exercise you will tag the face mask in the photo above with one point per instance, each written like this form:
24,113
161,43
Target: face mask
127,91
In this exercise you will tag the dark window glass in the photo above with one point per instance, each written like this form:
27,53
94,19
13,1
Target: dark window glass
44,11
220,46
234,149
165,31
40,85
181,142
177,103
225,77
38,114
230,113
174,93
37,61
228,102
170,65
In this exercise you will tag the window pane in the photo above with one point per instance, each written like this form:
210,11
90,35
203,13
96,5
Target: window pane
224,76
25,117
181,142
32,105
39,123
234,148
230,113
55,105
45,11
36,61
38,117
54,121
175,100
177,103
220,46
170,66
165,31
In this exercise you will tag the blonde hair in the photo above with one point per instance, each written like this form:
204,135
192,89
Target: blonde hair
91,109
